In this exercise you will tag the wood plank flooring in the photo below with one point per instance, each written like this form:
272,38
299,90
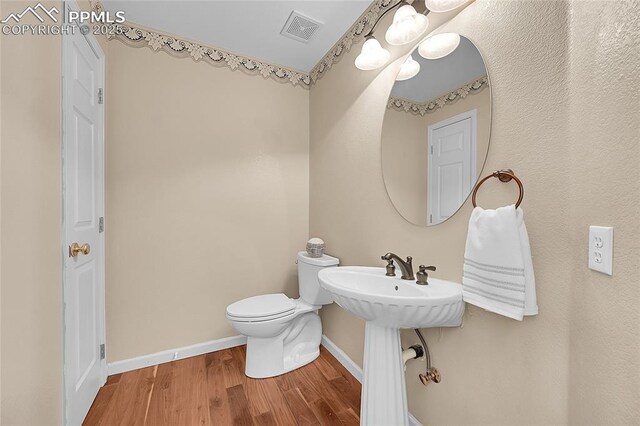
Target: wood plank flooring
212,390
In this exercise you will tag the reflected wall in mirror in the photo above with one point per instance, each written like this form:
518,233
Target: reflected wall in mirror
436,130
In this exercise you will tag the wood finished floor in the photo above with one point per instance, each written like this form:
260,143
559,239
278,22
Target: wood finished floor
212,389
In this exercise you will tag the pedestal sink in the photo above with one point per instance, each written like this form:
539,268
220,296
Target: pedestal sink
389,304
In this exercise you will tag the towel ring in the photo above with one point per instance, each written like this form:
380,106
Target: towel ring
505,175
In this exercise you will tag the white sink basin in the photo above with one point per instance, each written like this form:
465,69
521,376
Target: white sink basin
393,302
389,304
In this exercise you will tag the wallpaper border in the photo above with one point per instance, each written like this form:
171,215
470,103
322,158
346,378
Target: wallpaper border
422,108
136,35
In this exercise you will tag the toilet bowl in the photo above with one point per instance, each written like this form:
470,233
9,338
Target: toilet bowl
283,333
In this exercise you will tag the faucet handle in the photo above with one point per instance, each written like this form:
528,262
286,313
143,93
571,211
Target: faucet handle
422,276
391,269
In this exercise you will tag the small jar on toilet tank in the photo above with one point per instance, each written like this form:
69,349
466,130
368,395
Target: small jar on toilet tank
315,247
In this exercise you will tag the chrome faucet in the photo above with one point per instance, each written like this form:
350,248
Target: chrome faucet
405,267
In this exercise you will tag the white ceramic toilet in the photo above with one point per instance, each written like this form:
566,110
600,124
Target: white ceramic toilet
282,333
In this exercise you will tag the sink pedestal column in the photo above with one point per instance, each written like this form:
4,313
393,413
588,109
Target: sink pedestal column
384,394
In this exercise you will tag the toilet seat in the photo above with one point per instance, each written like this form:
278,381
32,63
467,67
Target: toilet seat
265,307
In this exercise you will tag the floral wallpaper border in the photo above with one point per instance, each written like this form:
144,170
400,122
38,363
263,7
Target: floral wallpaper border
422,108
138,36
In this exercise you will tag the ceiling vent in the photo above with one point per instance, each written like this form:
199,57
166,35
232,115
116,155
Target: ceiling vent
300,27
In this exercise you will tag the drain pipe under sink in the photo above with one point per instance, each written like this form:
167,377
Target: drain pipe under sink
414,352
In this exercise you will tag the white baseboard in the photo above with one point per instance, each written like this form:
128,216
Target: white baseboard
352,367
342,357
174,354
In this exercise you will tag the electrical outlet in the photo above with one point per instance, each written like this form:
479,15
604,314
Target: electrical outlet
601,249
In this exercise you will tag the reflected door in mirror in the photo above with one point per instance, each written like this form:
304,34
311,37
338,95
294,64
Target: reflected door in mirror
451,165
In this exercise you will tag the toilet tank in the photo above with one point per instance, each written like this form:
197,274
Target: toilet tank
308,268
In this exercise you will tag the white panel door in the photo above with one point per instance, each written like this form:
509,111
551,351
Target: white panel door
83,192
451,165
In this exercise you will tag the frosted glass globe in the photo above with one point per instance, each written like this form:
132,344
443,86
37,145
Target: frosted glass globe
407,26
372,55
442,6
439,45
409,69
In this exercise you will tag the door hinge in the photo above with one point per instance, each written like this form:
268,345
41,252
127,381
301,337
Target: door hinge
431,149
101,225
100,100
430,218
102,351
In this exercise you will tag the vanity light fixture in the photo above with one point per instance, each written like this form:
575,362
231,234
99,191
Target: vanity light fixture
407,26
409,69
439,45
443,6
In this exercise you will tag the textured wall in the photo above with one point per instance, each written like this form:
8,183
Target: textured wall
30,239
207,196
578,360
604,186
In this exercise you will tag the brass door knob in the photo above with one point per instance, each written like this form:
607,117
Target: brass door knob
75,249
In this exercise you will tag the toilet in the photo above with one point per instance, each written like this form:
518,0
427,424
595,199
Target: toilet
283,333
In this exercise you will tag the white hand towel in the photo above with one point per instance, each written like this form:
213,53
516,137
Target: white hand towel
498,271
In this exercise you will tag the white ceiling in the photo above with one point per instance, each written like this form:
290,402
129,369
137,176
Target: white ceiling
250,28
440,76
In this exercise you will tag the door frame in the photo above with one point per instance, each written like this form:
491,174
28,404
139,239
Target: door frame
66,105
473,115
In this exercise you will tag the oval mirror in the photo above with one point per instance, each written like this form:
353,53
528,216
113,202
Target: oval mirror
436,129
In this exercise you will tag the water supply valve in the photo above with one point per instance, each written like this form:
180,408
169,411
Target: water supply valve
432,375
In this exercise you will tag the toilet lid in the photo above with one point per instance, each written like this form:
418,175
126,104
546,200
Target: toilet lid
266,305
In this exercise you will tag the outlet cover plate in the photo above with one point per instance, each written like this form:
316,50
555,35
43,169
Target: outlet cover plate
601,249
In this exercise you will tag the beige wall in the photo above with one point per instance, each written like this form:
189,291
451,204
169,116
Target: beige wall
404,150
577,361
604,182
207,196
30,240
